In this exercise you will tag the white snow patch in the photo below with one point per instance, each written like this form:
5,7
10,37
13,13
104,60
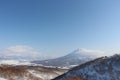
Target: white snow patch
15,62
3,79
42,75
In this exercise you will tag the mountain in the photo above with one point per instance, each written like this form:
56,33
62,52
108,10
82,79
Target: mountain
24,72
104,68
76,57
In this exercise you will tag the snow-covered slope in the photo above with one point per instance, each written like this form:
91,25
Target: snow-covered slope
20,72
104,68
76,57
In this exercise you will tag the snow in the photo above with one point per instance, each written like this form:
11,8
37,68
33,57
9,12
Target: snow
42,75
106,68
9,62
15,62
2,79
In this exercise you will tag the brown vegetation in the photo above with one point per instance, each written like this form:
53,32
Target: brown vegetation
22,72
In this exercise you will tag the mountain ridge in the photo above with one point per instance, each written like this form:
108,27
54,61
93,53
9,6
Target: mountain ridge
103,68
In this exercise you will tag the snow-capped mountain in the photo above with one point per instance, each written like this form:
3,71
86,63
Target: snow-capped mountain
76,57
104,68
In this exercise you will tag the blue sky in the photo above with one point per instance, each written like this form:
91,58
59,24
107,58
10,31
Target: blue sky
56,27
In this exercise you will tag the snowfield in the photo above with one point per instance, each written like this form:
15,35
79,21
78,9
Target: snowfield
14,62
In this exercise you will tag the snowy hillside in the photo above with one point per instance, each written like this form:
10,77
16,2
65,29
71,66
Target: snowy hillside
104,68
9,72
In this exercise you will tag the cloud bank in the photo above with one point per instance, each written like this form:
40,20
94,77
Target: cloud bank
19,49
20,52
90,52
28,53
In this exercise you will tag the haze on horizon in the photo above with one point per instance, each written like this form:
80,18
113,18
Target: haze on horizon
57,27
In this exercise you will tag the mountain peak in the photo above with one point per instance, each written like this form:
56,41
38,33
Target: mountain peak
77,50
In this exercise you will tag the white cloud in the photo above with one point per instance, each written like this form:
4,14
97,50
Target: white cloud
92,52
20,51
